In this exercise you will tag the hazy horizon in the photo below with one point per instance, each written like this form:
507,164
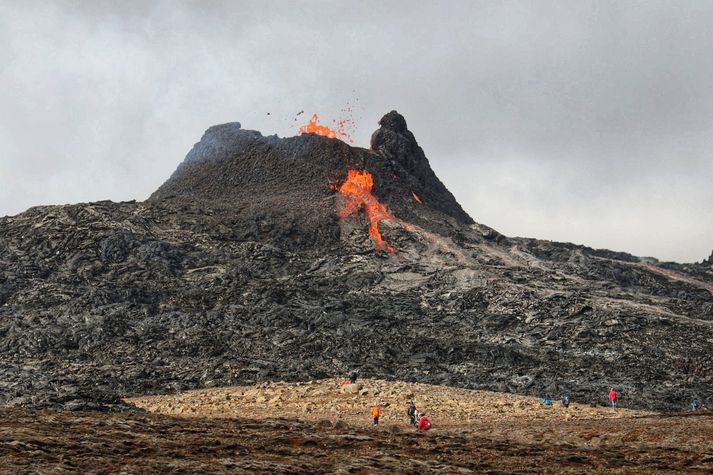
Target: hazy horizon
587,123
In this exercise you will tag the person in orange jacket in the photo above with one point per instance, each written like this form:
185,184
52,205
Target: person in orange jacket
424,423
612,397
376,412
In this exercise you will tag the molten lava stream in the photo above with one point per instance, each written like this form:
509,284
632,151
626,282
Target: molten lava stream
357,190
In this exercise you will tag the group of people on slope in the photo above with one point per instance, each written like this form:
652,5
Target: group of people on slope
613,400
415,418
548,401
423,424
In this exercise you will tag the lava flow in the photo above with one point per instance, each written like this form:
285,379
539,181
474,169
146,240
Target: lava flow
357,190
341,133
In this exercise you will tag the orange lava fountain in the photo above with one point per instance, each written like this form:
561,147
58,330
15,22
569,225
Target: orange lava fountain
357,190
313,127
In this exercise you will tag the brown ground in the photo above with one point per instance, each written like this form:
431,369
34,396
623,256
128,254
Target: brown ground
323,427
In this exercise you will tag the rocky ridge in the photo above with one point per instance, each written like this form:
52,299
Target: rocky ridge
709,261
237,271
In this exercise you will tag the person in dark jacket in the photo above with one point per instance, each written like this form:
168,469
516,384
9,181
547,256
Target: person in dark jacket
565,401
411,411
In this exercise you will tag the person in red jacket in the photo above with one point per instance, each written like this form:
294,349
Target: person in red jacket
612,397
423,423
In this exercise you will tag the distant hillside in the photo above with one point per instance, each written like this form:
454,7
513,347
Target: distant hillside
264,258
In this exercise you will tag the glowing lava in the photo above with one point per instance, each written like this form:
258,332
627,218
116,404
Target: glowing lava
314,128
415,197
341,131
357,190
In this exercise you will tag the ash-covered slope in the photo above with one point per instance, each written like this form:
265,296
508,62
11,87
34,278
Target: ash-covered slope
239,270
283,190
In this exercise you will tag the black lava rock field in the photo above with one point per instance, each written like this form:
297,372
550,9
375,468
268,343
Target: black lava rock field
253,262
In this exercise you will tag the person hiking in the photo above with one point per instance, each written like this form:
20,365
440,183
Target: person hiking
411,411
694,404
353,378
565,401
547,401
424,424
613,397
376,412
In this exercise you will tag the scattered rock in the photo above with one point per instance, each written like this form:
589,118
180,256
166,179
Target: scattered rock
351,388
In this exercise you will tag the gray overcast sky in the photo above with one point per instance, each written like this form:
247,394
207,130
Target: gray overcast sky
589,122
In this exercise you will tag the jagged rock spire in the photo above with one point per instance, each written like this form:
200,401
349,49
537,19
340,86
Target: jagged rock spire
393,141
708,261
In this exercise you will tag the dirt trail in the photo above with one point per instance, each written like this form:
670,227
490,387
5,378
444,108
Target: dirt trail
533,262
678,276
